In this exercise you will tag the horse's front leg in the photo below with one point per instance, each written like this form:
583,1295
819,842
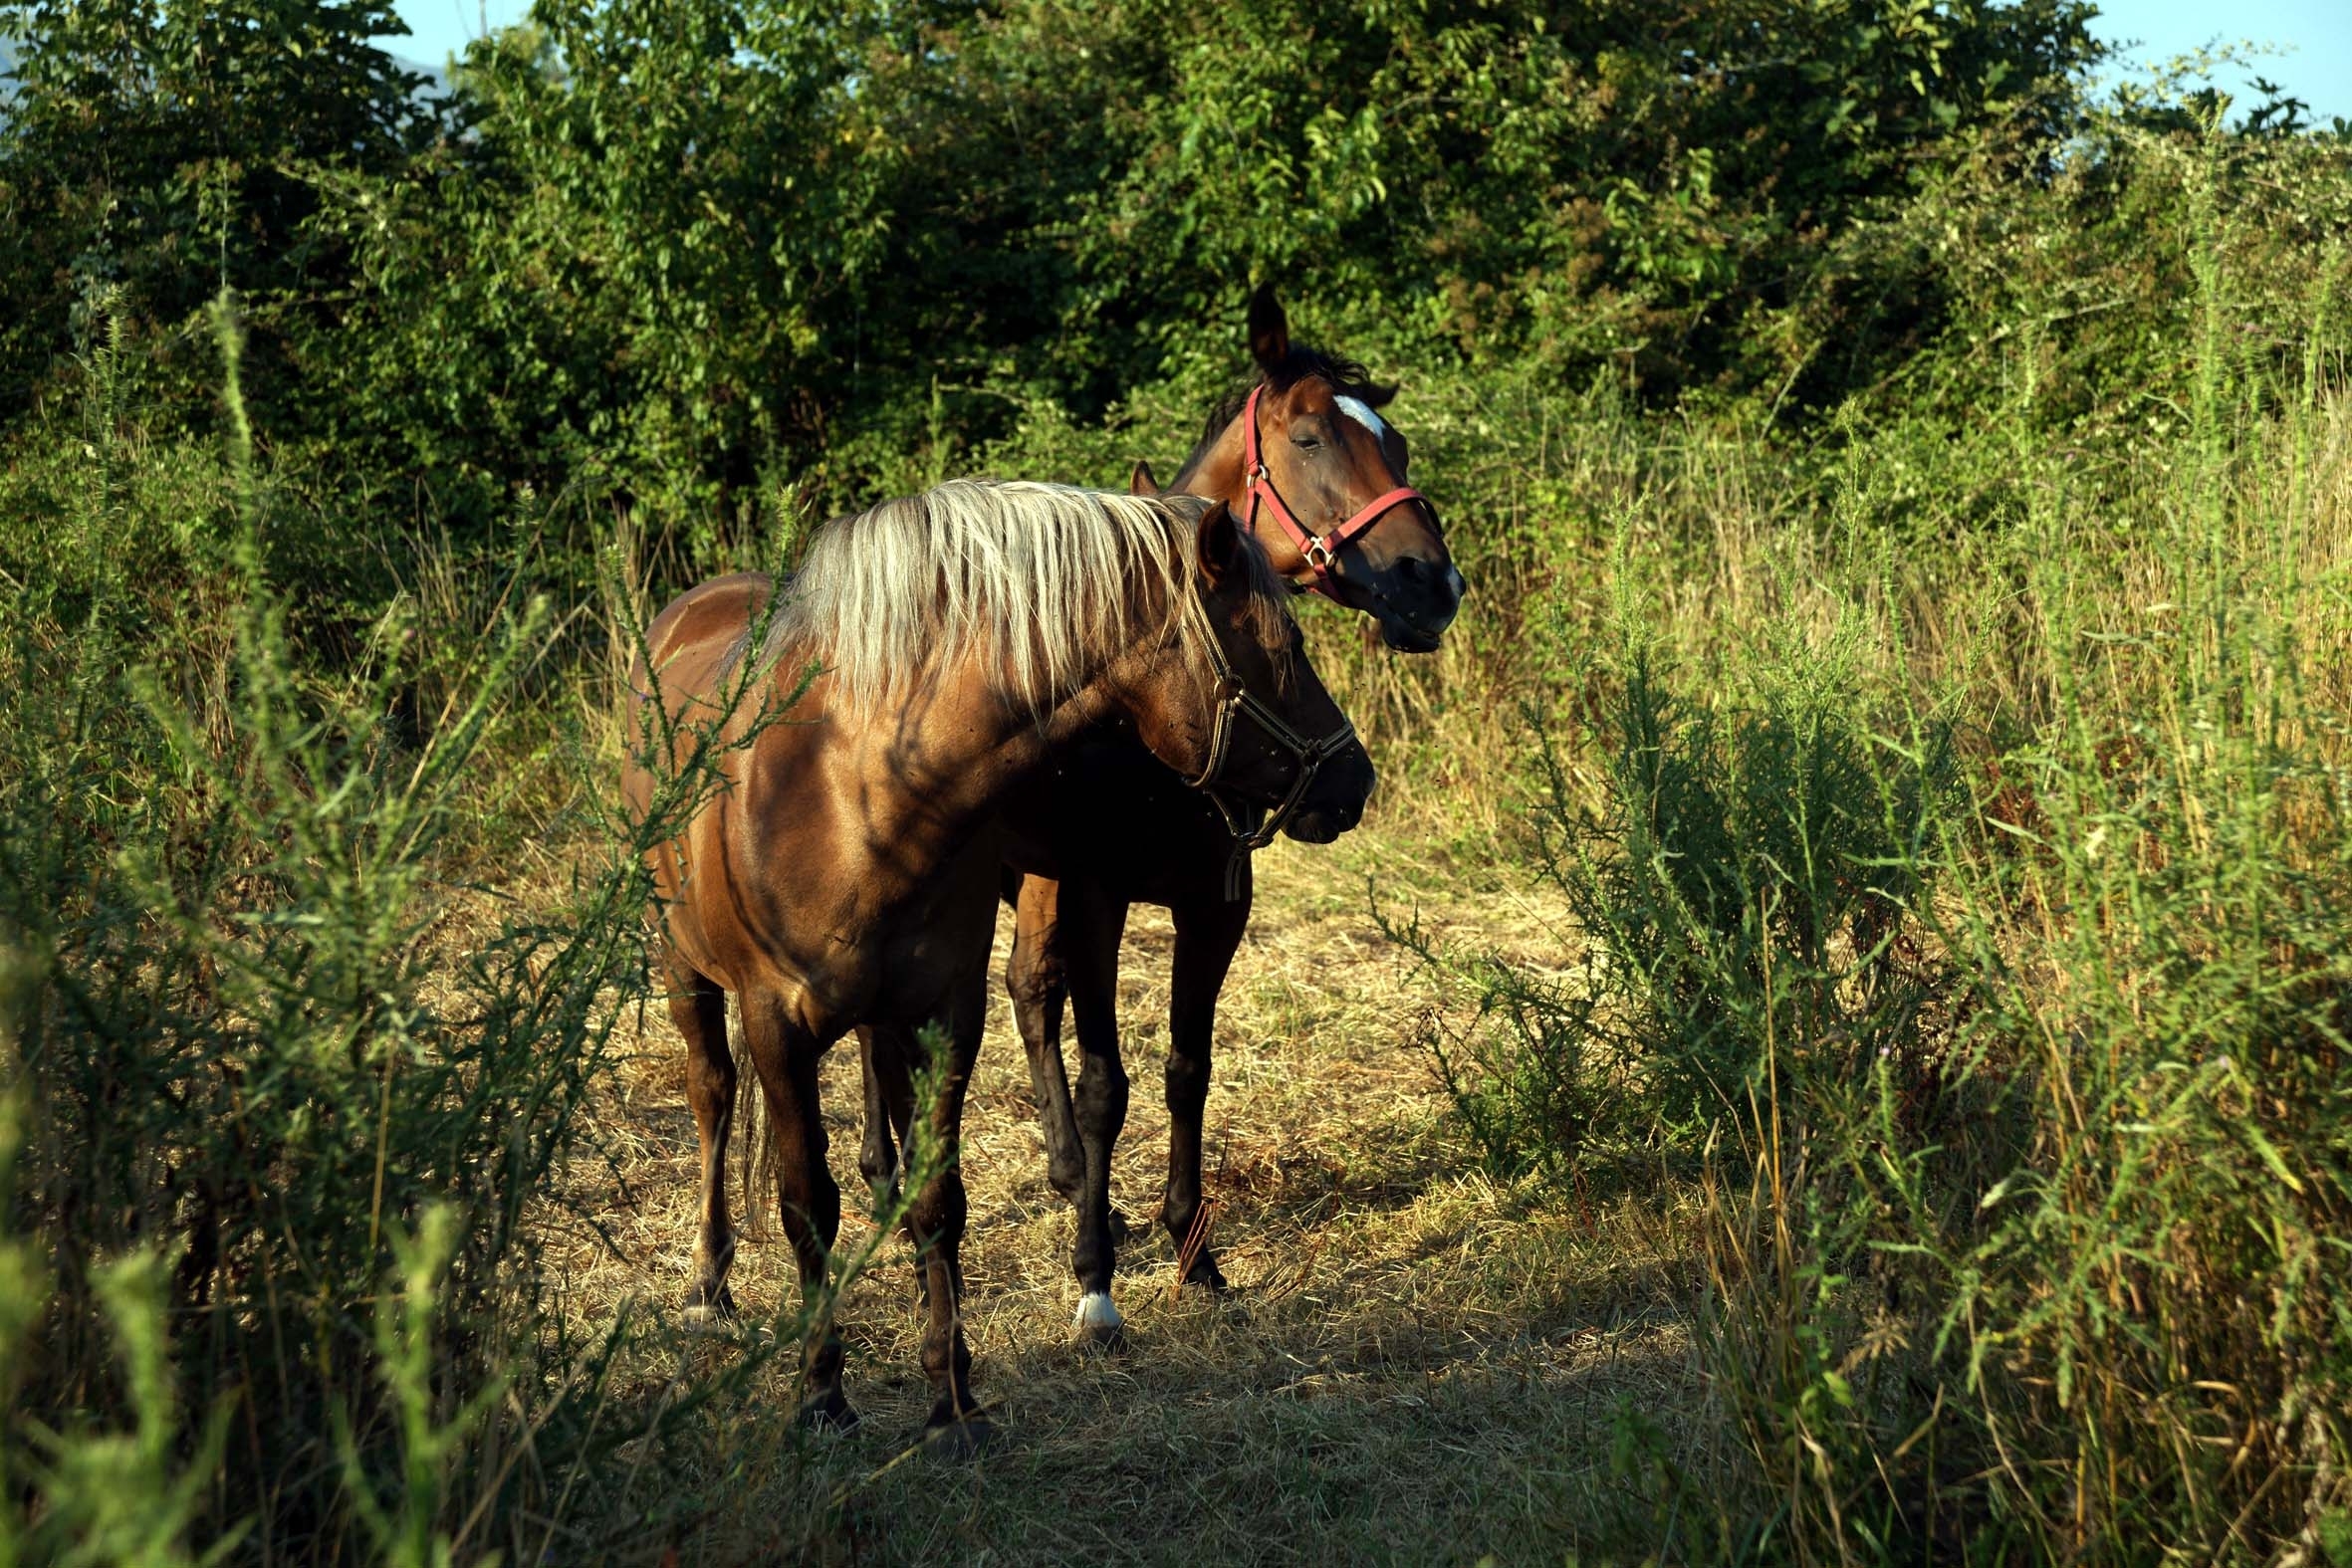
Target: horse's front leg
1092,923
1208,933
878,1157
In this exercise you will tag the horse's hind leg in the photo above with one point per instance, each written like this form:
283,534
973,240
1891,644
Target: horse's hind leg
699,1008
889,1052
1091,926
1208,933
878,1157
935,1225
1033,978
783,1052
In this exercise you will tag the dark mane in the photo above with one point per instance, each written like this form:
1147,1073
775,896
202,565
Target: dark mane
1347,378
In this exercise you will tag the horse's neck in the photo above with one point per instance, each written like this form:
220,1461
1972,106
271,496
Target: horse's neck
956,746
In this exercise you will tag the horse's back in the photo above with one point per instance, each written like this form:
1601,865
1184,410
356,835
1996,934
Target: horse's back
696,633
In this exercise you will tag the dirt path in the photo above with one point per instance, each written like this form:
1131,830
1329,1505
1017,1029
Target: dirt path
1416,1366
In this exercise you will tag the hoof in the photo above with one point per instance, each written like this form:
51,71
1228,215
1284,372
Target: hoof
1099,1338
708,1311
828,1412
1096,1325
1204,1275
958,1442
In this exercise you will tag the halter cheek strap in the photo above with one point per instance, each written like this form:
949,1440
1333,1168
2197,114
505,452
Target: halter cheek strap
1321,552
1235,702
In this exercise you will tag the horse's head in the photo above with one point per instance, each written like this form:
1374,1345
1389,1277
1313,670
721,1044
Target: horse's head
1308,463
1238,710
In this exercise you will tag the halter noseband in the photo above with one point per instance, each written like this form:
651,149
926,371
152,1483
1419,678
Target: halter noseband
1234,703
1322,554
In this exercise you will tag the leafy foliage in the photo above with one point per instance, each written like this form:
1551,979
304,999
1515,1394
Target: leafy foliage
1957,870
159,146
1976,923
710,256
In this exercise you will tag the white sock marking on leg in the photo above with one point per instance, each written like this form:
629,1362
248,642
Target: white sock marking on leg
1095,1311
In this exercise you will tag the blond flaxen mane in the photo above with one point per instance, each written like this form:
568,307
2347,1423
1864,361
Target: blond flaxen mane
1043,583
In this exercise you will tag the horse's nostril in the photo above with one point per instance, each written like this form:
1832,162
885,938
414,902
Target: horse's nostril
1412,568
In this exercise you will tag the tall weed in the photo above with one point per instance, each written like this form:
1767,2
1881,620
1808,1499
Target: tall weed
1971,908
1747,879
271,1053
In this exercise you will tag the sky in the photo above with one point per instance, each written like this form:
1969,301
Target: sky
439,29
2318,71
2319,68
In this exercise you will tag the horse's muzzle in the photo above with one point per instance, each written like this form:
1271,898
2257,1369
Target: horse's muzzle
1337,803
1416,604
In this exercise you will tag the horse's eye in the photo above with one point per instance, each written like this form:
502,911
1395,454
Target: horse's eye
1305,442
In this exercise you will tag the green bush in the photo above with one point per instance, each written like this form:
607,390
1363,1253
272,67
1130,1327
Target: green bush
1749,883
1984,933
712,258
256,1065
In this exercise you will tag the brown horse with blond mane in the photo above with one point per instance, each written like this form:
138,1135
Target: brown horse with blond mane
1303,456
842,868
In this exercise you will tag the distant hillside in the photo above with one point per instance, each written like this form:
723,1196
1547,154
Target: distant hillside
434,75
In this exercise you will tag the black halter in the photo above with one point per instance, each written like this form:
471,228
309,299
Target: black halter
1235,702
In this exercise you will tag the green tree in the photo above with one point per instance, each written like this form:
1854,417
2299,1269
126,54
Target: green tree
163,148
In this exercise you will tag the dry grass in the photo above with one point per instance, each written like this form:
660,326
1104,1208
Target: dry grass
1416,1365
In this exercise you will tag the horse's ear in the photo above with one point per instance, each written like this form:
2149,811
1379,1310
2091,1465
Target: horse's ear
1270,329
1140,483
1377,397
1219,542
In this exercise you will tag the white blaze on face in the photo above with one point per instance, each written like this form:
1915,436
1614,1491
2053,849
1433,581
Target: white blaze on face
1360,411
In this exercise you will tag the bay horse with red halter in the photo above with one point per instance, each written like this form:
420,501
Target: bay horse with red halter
1304,457
841,869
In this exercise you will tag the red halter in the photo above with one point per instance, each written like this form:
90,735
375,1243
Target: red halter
1319,553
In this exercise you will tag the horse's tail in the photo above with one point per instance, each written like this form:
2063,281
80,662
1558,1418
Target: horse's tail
762,1191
